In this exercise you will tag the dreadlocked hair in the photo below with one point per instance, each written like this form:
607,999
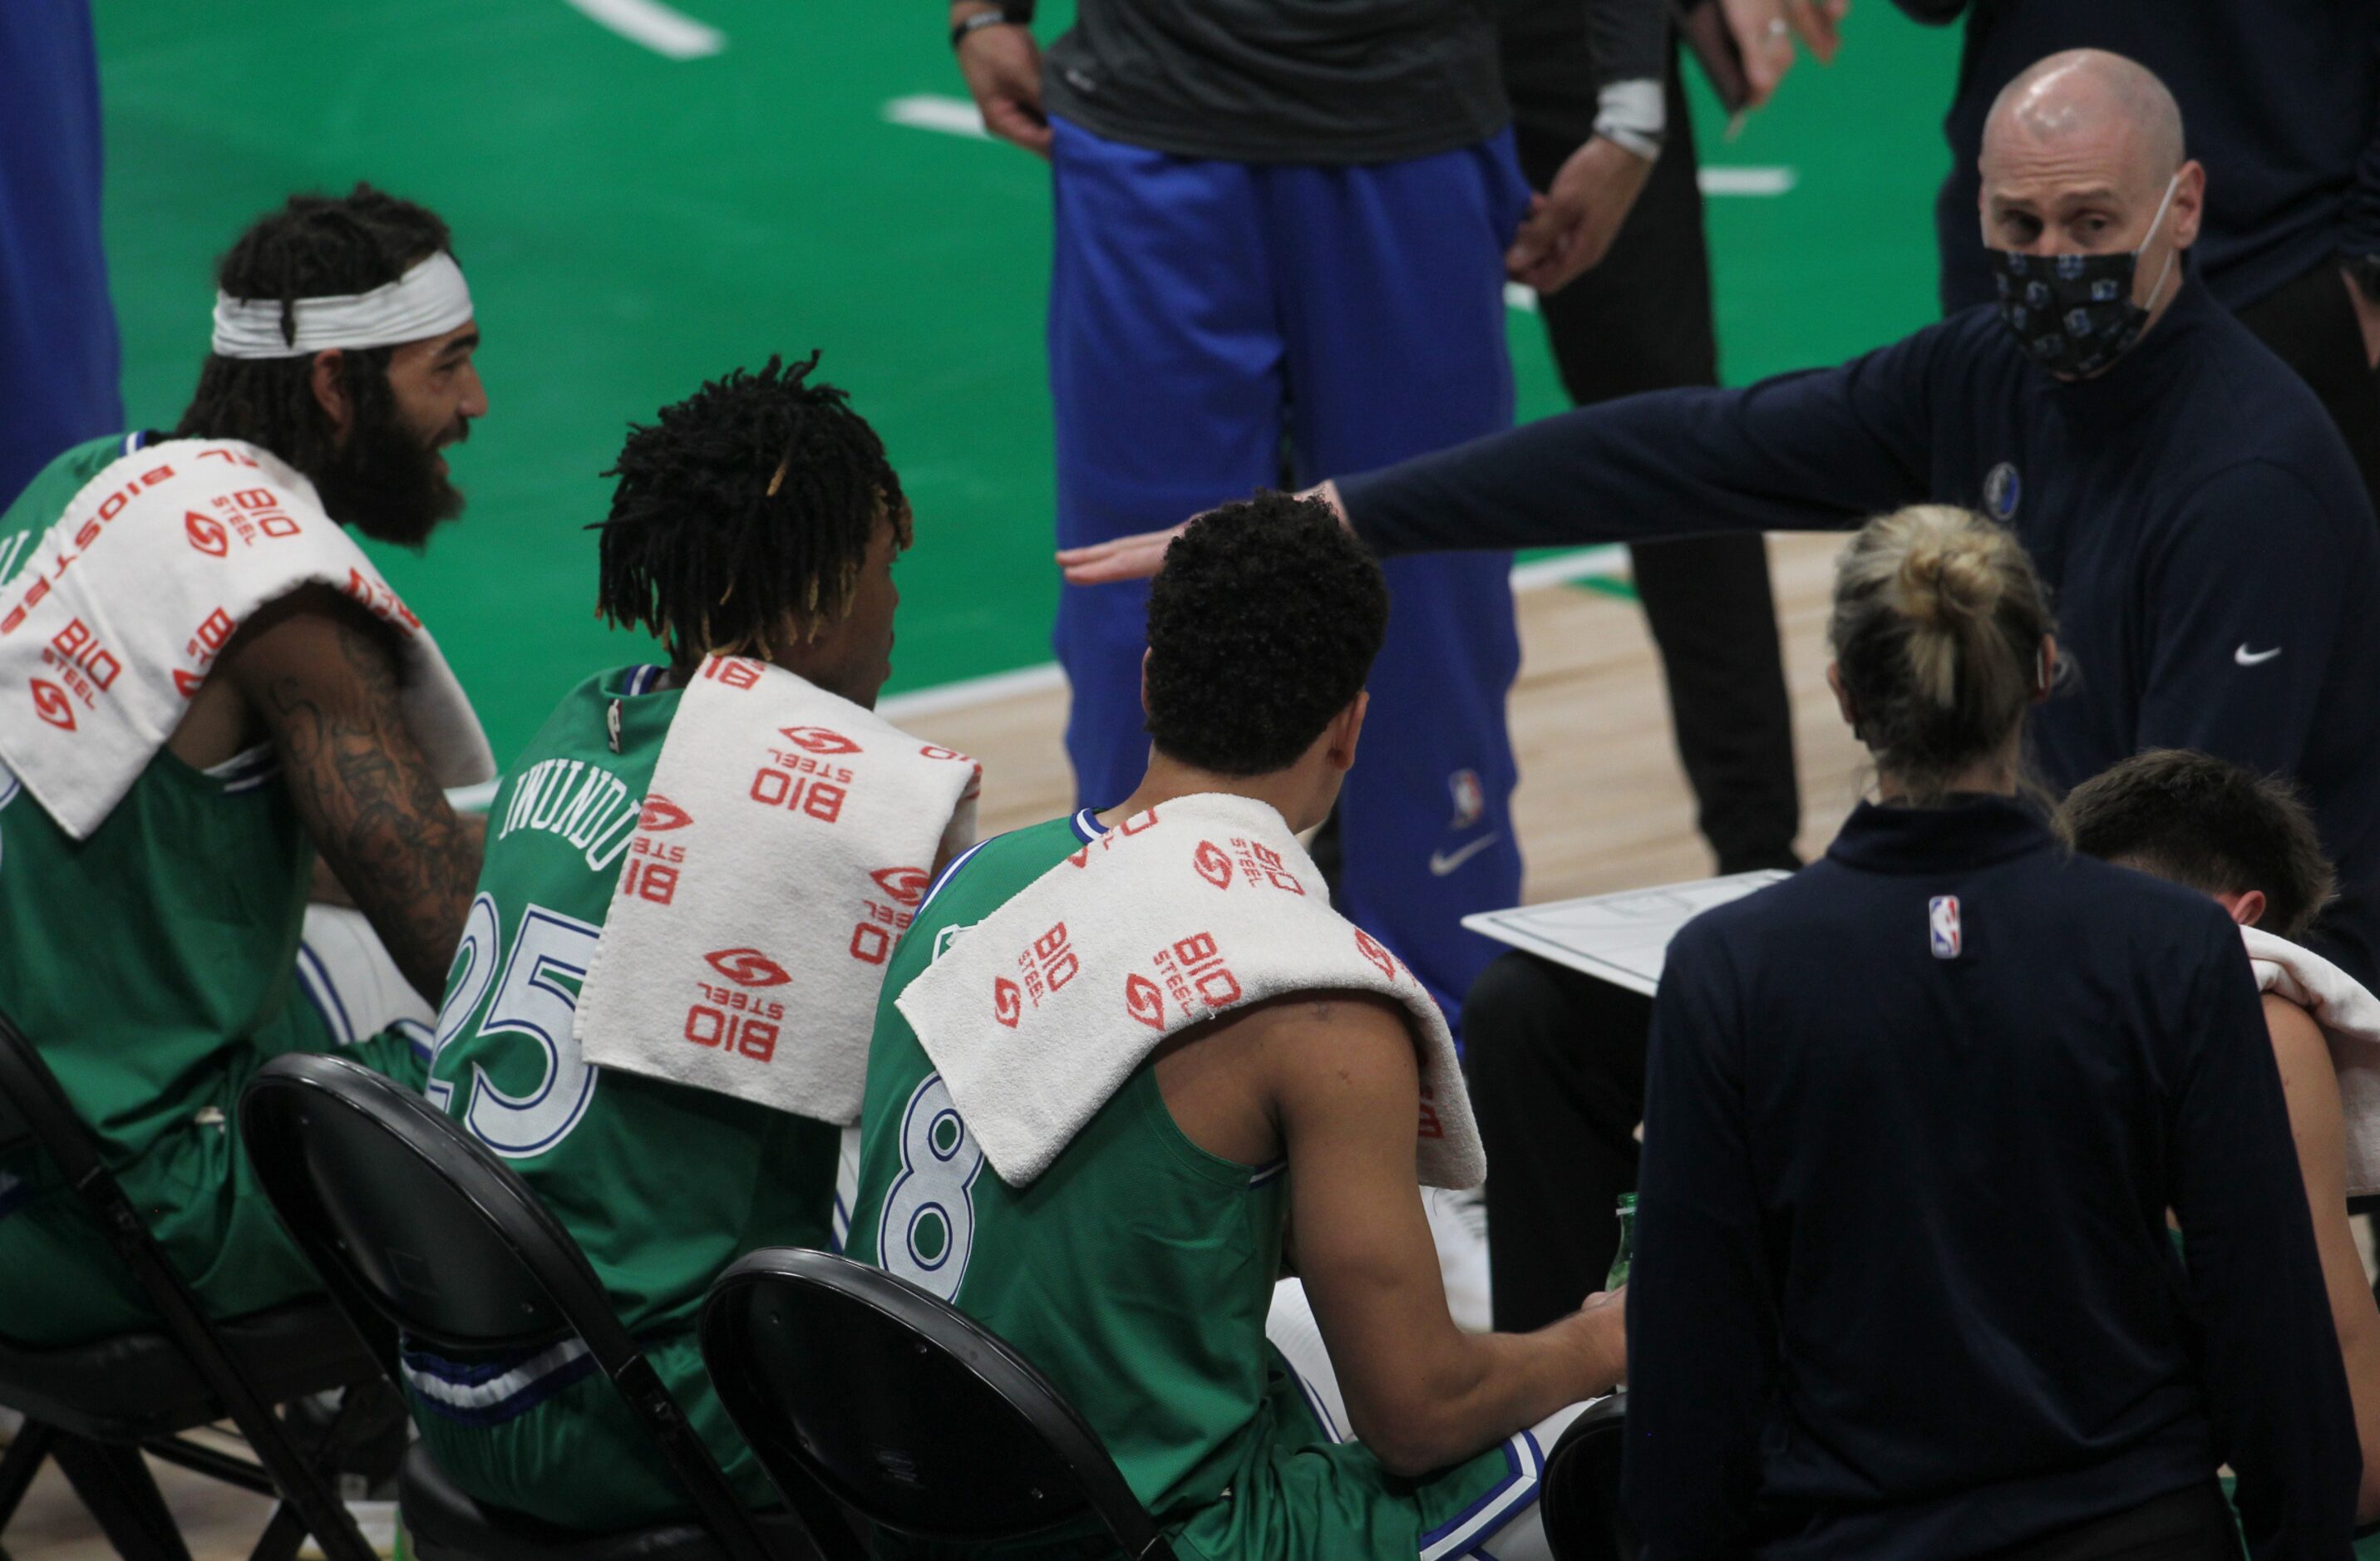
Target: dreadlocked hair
313,246
743,514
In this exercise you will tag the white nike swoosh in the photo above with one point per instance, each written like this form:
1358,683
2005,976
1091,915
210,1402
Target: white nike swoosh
1444,862
2247,657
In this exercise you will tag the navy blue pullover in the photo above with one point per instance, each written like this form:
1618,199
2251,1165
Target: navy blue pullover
2214,557
2280,99
1903,1284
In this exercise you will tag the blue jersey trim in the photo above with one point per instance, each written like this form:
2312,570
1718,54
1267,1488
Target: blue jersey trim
949,870
493,1391
1463,1533
1088,826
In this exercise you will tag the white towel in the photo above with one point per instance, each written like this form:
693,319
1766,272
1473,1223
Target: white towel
784,847
114,622
2349,1017
1036,1015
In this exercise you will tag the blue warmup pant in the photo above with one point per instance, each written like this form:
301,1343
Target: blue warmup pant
1202,317
58,356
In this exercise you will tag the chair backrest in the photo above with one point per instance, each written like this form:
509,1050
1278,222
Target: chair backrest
403,1212
1580,1503
904,1407
35,1108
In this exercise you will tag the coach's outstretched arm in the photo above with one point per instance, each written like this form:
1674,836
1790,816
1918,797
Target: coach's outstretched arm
323,678
1810,452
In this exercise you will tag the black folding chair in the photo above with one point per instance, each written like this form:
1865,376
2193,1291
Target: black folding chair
904,1409
93,1408
1580,1502
410,1220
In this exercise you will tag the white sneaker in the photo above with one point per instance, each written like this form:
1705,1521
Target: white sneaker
1458,1224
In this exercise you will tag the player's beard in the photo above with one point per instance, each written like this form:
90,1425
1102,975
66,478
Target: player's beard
385,480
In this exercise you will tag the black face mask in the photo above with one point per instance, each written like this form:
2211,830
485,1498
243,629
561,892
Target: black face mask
2074,314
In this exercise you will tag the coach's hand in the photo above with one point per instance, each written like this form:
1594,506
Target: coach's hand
1002,68
1570,228
1139,557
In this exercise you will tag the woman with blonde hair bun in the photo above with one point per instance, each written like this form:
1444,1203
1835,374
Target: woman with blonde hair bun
1903,1284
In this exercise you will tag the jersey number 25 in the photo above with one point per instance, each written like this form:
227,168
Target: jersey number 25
531,1000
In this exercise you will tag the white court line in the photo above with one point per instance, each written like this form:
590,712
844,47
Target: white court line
655,26
930,111
1558,570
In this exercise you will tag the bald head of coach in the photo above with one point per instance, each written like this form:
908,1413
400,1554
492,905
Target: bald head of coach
2211,548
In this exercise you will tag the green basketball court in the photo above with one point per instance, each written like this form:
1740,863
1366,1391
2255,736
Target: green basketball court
635,220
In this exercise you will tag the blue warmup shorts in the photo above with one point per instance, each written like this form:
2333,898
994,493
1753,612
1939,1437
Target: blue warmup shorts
58,353
1208,320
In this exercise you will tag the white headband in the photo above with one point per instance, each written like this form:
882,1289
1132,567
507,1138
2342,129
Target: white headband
428,300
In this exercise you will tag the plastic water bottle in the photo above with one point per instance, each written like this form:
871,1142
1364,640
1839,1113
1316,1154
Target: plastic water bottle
1627,1250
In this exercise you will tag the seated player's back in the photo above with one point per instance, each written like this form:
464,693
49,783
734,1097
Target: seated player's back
662,1185
159,947
1136,1271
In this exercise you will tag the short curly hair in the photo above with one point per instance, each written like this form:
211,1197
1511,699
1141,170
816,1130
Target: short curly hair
1262,626
2207,823
745,513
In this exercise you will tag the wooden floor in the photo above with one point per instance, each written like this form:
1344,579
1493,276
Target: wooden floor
1602,806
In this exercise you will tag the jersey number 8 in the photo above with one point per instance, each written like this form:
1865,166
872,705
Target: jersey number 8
927,1231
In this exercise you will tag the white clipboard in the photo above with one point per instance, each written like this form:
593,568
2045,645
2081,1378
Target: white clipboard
1623,939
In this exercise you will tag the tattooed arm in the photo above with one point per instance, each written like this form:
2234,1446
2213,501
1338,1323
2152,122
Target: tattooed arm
322,676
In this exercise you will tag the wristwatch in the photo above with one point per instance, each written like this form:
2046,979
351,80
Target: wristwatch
1011,13
2365,269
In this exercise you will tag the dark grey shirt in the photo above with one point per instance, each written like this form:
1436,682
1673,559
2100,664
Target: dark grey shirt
1281,80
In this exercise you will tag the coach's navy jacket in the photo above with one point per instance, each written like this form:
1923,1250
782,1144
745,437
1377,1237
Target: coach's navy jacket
1903,1285
2213,556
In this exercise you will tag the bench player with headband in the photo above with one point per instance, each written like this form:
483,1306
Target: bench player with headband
695,873
203,683
1127,1061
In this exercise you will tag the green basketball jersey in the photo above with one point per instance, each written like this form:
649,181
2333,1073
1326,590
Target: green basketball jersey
662,1185
145,961
152,966
1136,1273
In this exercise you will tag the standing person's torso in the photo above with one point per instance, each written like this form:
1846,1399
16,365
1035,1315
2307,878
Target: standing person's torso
2094,478
2279,99
1327,82
1962,1157
662,1185
1137,1271
149,962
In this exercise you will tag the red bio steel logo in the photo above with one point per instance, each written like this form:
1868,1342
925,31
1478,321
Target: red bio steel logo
1007,1002
50,703
660,813
907,885
1371,949
1212,864
819,740
1144,1000
747,967
206,533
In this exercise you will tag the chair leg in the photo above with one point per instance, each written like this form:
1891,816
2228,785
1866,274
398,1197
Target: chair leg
283,1534
20,1463
115,1485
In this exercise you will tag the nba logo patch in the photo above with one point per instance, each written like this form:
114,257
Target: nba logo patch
1470,798
1942,925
